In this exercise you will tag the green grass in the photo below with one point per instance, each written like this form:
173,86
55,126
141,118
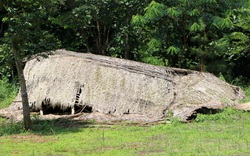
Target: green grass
247,92
7,93
226,133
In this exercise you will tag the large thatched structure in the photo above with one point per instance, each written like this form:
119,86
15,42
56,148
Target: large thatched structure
88,82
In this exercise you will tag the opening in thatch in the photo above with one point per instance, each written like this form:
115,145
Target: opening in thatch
57,110
202,110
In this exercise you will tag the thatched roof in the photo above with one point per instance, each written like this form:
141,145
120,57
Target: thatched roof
116,86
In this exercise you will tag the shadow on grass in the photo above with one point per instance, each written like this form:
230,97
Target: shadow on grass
45,127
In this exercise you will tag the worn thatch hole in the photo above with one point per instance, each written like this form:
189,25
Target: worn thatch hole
202,110
56,110
59,111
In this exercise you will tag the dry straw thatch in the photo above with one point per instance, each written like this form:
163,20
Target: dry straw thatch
117,87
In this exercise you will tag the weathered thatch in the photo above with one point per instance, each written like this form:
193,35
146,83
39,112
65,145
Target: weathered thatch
117,87
243,106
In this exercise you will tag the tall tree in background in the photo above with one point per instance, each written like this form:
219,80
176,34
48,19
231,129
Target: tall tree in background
25,36
98,26
185,33
204,35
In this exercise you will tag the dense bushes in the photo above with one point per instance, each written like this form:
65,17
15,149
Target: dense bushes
7,92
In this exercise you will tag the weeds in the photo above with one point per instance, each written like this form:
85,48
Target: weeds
10,127
247,92
7,93
225,133
227,115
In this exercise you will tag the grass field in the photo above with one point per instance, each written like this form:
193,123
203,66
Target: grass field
226,133
222,134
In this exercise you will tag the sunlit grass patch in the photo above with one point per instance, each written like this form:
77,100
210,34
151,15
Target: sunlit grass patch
210,136
227,115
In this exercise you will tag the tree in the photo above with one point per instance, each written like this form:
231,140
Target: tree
238,53
25,36
98,26
185,33
6,62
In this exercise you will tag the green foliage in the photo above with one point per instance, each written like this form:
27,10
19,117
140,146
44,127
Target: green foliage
6,61
247,92
173,12
194,12
182,33
10,128
197,26
153,60
240,81
105,28
222,77
154,11
154,44
7,92
226,115
173,50
222,23
198,29
25,24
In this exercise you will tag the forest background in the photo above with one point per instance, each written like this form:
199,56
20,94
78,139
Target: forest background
204,35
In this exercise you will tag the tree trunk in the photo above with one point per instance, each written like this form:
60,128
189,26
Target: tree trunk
127,49
107,39
202,64
100,50
24,95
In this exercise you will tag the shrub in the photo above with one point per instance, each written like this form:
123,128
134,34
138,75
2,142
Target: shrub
247,92
7,93
227,115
